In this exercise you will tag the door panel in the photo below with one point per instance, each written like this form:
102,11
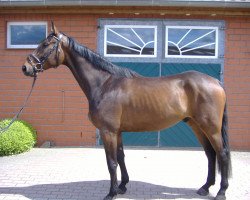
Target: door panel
213,70
179,135
145,69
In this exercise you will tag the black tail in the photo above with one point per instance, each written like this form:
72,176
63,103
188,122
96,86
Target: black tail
225,139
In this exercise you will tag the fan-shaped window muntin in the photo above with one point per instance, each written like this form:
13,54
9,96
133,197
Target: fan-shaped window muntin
130,41
191,42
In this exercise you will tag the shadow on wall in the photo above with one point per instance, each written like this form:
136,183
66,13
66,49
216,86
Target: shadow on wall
96,190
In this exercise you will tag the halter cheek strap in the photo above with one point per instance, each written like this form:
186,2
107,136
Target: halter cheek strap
37,63
40,62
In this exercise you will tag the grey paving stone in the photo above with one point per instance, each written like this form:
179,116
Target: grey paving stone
82,174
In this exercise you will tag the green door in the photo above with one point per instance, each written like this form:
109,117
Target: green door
155,48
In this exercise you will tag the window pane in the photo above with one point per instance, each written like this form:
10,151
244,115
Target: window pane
185,42
130,41
25,34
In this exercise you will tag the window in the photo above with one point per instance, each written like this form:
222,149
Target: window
24,35
130,41
191,42
161,40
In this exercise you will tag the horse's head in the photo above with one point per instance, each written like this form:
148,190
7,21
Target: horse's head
48,54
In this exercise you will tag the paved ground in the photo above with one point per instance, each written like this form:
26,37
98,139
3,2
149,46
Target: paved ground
81,173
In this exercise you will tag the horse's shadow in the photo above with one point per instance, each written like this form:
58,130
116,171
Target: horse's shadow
96,190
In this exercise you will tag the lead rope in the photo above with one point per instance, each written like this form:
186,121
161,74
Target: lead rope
2,130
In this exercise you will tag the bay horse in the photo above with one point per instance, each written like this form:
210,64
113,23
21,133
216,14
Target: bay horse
122,100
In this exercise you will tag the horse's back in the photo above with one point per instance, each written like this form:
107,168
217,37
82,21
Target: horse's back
194,76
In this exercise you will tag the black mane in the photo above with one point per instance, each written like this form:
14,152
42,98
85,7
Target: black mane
99,62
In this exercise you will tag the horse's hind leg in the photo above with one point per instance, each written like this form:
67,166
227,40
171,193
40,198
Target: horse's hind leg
223,162
211,156
121,162
211,126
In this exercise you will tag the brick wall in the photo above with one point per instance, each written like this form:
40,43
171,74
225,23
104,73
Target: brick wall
237,80
58,109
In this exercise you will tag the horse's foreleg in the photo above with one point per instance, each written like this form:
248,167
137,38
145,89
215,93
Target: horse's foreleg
110,145
121,162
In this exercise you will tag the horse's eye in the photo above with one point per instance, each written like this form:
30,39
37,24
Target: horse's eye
45,44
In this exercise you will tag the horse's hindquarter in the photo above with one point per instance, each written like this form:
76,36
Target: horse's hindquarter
206,96
152,103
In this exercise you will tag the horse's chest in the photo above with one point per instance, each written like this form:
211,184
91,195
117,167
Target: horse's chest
105,117
94,117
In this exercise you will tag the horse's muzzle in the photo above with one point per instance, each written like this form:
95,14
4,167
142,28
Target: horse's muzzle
28,71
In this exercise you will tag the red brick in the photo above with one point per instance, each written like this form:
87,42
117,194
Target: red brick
242,31
245,37
234,25
234,37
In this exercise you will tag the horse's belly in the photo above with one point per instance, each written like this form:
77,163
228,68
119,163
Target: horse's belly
137,122
153,106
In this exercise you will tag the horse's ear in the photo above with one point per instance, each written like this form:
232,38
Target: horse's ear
53,28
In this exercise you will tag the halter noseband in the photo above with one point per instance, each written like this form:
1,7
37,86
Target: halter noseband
40,61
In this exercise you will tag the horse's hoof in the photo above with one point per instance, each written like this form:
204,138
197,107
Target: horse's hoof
220,197
108,197
122,189
202,192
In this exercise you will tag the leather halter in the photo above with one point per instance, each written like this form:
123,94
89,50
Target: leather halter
40,61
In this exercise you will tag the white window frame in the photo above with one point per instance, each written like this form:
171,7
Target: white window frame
191,27
129,55
11,46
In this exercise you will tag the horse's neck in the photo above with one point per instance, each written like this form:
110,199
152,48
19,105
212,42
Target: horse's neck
88,77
